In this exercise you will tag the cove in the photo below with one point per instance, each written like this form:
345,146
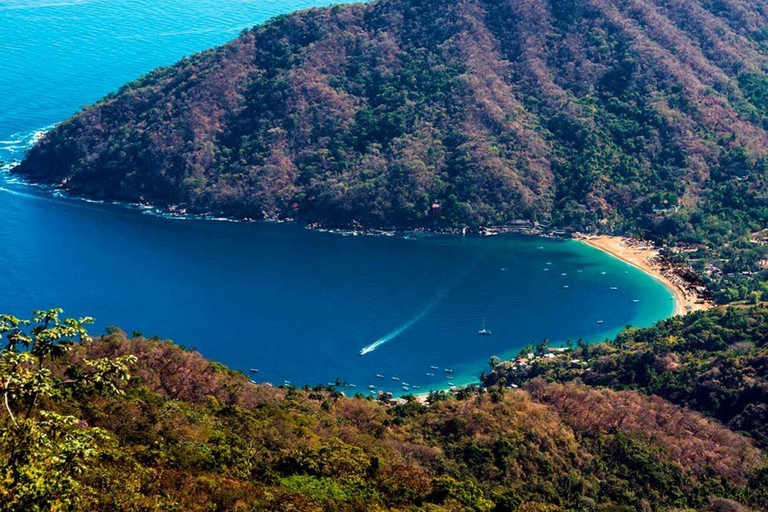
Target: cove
299,305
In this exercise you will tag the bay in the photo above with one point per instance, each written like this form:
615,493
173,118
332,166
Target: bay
298,305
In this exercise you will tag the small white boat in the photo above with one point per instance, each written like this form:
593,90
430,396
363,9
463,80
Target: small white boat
395,378
434,367
448,370
430,374
484,331
379,376
451,384
614,287
254,370
636,301
599,321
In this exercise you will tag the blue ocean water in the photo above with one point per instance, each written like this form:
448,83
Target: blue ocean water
299,305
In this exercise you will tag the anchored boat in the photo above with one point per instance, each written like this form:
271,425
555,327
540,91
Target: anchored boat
484,331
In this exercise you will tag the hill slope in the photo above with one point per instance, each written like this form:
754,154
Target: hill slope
187,434
715,362
587,113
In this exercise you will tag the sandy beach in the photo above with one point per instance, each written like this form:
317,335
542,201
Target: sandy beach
645,257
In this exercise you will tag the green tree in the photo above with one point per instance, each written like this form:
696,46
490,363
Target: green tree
466,494
44,452
525,351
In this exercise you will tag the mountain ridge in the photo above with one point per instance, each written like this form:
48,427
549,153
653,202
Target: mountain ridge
590,114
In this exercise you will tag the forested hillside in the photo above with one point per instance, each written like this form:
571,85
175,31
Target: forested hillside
715,362
647,117
118,423
595,114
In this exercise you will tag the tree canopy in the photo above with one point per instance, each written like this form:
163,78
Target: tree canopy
79,432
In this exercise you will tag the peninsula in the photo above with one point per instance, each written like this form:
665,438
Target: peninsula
613,117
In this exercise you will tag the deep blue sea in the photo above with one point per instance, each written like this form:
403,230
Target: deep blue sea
296,304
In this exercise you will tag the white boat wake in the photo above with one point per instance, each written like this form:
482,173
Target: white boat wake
400,330
424,312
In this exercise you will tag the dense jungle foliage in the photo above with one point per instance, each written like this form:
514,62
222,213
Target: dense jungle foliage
127,423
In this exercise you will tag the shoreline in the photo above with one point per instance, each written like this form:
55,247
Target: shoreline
635,252
641,255
179,212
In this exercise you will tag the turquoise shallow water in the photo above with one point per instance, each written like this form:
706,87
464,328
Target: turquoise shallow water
58,55
298,305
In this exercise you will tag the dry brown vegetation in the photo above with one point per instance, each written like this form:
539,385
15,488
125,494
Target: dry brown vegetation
685,436
178,374
216,438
